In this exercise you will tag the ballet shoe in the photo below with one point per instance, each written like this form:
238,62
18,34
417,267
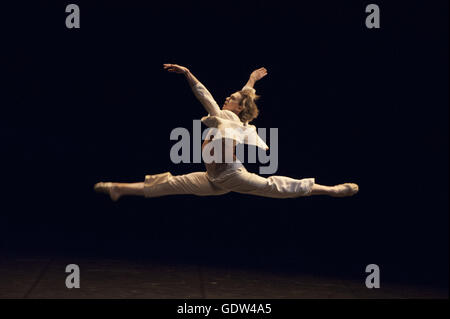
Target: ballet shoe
346,189
107,188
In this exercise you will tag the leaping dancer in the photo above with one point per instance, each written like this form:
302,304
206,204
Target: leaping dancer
222,177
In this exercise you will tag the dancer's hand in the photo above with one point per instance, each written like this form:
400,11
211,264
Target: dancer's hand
258,74
176,68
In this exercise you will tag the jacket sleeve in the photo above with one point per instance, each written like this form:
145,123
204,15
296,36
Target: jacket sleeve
206,99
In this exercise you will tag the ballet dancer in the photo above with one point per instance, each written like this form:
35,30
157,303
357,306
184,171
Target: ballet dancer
222,177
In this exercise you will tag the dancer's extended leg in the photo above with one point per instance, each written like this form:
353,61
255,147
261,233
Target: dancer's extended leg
116,190
281,187
245,182
341,190
136,189
195,183
162,185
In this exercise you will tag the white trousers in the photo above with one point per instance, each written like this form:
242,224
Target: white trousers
234,180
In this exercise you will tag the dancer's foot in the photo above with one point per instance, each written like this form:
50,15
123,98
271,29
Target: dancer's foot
108,188
346,189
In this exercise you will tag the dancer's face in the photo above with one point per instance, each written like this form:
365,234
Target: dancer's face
232,103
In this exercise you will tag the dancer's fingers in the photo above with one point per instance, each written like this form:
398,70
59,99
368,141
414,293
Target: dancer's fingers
173,68
169,67
262,72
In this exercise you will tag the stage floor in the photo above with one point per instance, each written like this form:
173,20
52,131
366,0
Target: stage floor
44,277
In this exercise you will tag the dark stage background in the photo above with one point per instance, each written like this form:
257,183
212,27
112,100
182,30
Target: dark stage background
351,104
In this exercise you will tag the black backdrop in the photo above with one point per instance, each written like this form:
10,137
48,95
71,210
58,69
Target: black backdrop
351,105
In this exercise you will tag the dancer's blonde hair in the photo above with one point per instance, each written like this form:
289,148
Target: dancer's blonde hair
250,111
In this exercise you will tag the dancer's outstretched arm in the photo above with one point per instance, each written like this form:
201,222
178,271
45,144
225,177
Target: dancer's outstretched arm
255,76
200,91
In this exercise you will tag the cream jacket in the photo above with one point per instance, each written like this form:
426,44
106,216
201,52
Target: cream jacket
226,123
